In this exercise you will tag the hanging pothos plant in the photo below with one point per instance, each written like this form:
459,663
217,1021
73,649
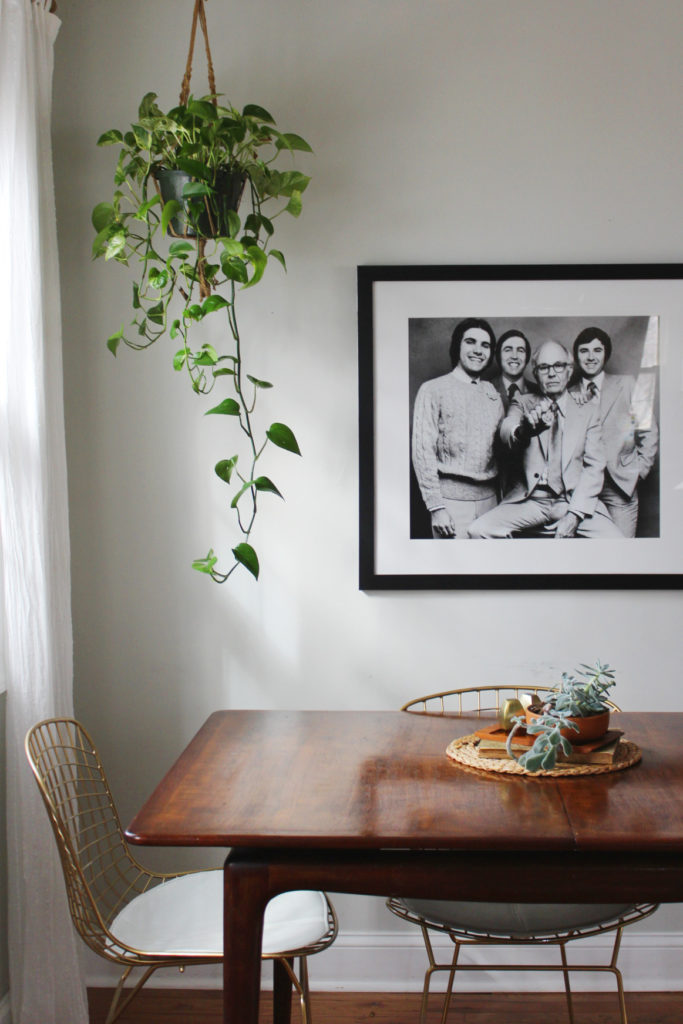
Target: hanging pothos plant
182,174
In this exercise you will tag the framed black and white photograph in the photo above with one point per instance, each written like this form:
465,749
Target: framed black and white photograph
532,404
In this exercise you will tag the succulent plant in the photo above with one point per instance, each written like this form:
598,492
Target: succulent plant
578,696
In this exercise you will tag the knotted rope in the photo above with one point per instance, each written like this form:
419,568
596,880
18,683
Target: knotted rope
199,14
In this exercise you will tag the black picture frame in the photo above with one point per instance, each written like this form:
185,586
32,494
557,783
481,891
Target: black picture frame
391,299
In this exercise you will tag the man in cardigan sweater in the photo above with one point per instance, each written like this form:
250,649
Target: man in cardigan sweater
455,421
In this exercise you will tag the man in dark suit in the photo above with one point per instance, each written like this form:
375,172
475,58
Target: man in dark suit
631,447
513,353
563,459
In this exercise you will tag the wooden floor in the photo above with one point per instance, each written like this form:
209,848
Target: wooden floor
159,1006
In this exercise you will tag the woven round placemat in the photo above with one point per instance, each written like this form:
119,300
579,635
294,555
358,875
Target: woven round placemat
464,751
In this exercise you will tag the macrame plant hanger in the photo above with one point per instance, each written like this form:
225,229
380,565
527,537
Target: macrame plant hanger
199,15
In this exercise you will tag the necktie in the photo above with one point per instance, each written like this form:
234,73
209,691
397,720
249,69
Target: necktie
592,389
512,391
555,453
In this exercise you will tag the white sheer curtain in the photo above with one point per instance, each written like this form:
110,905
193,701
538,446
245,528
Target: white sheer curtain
46,984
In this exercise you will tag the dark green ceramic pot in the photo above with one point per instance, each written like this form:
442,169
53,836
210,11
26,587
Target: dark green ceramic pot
203,216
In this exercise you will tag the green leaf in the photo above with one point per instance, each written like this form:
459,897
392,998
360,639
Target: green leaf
214,302
114,341
99,242
110,138
115,245
205,564
259,261
253,223
136,295
252,110
179,359
279,256
225,372
288,140
175,327
148,106
231,247
156,313
263,483
295,204
203,109
196,188
225,467
282,436
171,209
158,279
142,135
235,270
180,248
102,216
144,209
228,407
207,357
258,383
245,554
286,183
234,223
245,487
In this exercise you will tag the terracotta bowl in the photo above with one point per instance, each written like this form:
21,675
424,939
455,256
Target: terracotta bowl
590,728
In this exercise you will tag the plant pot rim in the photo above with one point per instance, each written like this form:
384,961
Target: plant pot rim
590,727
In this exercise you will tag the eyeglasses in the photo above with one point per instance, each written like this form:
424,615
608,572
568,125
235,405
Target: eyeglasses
555,367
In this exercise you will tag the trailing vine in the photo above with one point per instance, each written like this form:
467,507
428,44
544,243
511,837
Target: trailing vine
200,272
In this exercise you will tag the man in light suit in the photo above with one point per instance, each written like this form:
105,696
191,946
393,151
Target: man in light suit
630,451
563,459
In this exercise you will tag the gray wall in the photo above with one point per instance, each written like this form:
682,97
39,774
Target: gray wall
444,132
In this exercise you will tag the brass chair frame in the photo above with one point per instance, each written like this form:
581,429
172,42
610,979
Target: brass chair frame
100,872
486,700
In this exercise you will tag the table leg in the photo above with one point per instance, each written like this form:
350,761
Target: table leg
245,895
282,992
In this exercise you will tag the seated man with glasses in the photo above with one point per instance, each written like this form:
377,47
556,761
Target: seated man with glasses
563,457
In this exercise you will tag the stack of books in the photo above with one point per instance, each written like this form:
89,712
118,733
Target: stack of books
493,740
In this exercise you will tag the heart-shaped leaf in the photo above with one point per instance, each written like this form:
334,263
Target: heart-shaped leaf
245,554
281,435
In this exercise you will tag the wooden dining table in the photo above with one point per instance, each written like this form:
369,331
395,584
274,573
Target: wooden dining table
367,802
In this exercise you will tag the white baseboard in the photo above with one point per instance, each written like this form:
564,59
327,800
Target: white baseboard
395,962
5,1011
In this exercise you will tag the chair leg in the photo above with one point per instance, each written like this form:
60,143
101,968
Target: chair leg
567,987
618,976
282,991
117,1005
300,983
428,974
305,991
451,979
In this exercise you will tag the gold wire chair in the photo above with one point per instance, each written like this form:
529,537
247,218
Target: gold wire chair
471,924
140,918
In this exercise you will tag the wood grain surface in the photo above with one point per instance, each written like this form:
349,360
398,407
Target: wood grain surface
370,780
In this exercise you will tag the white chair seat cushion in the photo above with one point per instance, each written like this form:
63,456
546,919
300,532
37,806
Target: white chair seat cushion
184,916
516,919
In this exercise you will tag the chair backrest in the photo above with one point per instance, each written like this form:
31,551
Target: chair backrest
100,874
475,700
